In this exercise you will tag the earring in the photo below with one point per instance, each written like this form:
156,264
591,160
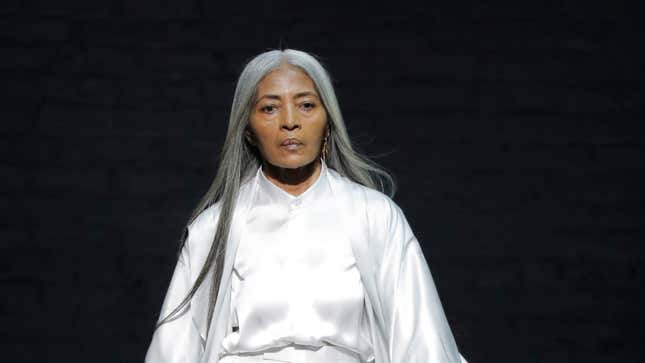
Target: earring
324,149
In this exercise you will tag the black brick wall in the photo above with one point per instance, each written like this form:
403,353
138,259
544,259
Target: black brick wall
514,132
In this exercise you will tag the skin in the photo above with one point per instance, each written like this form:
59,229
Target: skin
287,105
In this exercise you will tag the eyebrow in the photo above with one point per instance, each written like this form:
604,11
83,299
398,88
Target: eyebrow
297,95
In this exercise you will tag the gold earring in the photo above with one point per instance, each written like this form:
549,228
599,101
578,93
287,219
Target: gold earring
324,149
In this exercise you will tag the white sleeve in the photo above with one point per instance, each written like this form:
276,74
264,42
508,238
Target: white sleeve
418,328
178,339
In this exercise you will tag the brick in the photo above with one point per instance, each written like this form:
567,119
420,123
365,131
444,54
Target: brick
84,90
34,31
24,59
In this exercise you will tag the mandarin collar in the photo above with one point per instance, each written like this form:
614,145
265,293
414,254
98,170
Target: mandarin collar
269,193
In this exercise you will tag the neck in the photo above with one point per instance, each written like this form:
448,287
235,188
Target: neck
293,181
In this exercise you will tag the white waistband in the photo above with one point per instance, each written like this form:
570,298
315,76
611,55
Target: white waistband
298,354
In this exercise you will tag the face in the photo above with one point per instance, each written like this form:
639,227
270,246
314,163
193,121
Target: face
288,121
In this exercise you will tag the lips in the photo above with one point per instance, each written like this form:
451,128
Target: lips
291,142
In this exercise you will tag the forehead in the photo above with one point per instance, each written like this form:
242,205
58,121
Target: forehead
286,79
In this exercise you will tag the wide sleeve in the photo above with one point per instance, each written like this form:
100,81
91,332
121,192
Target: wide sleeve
177,340
418,330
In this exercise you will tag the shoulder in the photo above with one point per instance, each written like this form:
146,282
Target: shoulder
386,227
201,232
380,208
205,217
200,235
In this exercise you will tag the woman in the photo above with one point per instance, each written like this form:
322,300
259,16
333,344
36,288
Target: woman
295,254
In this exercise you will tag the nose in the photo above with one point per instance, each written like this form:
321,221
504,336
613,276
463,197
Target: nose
290,120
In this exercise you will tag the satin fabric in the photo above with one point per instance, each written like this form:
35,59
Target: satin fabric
297,354
295,279
406,320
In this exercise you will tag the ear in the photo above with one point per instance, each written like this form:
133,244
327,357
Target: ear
249,137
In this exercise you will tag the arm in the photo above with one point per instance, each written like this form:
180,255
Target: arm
418,328
176,340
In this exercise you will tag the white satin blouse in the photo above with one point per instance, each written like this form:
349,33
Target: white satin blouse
405,317
295,279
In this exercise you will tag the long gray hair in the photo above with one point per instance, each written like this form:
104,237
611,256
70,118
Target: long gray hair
239,160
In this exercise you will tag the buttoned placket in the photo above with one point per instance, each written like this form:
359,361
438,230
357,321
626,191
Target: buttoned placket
293,226
294,205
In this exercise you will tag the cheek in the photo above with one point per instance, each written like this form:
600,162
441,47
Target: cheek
322,127
263,135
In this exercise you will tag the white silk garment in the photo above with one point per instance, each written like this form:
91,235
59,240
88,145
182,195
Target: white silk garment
295,279
406,320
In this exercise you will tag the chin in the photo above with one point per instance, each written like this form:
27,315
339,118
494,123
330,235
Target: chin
293,162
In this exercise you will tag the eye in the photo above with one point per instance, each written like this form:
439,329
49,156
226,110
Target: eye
308,106
269,108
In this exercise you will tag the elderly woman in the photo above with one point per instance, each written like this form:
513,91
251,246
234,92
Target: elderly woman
295,254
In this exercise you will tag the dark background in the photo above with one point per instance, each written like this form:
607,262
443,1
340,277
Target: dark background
514,132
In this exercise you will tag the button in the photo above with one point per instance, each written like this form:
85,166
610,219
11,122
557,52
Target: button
294,204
